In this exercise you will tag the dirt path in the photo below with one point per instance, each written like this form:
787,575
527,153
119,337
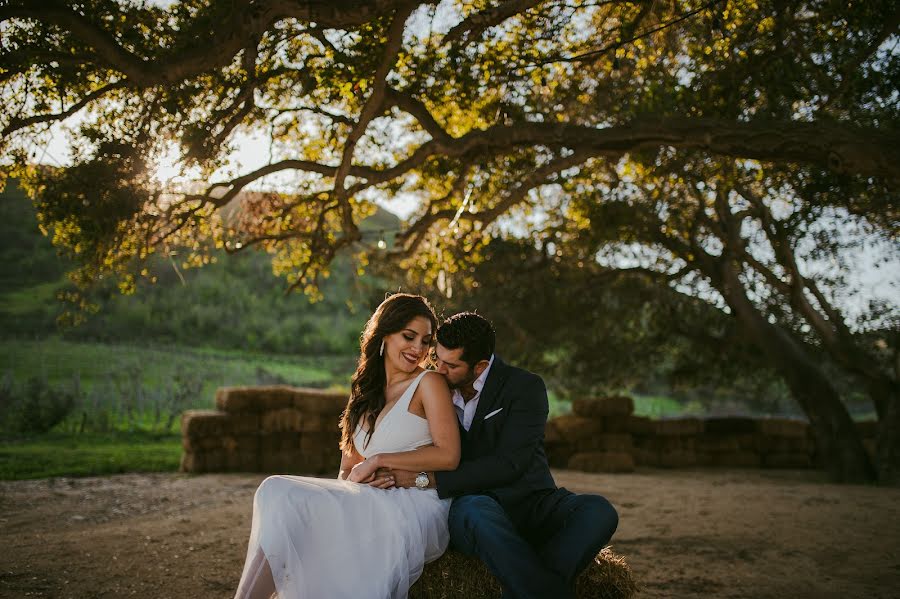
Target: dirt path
701,533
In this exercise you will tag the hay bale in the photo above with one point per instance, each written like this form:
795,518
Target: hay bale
617,405
558,454
785,445
730,425
783,427
242,461
733,459
330,463
199,462
602,461
201,443
617,424
679,427
279,397
551,433
455,575
574,428
316,401
222,453
727,442
293,461
321,443
717,443
240,443
211,423
645,457
679,458
670,443
275,442
787,460
641,425
254,399
281,421
320,423
615,442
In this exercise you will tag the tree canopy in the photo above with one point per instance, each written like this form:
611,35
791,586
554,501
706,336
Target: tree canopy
718,145
472,108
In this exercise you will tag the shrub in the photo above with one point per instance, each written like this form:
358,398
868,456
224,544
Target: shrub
36,406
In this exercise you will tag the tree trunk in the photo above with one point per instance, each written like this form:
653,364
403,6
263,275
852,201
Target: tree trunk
837,439
887,452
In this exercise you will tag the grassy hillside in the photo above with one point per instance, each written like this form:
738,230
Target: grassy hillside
234,303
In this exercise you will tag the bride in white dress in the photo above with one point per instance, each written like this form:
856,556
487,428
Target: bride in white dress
359,536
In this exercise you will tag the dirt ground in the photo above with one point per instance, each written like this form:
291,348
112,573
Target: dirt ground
685,533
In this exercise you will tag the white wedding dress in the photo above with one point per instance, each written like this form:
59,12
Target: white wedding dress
327,538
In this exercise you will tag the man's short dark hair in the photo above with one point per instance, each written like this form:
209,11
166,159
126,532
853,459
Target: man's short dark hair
470,331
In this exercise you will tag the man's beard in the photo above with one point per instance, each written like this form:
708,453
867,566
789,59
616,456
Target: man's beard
463,383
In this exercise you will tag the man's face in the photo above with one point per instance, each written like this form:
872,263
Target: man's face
449,363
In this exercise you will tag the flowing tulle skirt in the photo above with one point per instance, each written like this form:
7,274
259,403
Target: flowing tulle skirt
327,538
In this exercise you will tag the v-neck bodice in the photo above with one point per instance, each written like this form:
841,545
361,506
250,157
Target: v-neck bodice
399,429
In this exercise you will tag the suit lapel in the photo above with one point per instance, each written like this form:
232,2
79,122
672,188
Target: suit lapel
489,394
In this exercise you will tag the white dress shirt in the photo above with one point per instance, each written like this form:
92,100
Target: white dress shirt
465,410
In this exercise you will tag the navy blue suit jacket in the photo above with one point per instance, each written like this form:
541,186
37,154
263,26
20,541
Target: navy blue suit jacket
503,455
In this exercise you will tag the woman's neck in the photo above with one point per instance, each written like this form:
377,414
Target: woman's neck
393,376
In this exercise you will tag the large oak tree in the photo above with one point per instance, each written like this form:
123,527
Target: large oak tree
475,109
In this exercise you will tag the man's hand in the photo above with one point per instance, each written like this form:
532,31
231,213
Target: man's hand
404,478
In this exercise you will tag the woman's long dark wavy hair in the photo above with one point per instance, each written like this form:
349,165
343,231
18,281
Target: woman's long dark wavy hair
368,382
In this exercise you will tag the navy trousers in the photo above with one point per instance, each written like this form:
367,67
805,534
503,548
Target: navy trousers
538,548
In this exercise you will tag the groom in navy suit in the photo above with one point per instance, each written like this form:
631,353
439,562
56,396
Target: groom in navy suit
507,510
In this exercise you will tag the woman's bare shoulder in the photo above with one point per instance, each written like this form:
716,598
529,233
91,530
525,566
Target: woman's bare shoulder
433,382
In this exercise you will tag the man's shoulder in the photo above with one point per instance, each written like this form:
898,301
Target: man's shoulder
519,375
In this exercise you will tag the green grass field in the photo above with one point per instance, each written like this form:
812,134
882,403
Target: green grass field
60,454
127,400
94,364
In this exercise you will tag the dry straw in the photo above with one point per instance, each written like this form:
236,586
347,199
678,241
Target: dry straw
455,575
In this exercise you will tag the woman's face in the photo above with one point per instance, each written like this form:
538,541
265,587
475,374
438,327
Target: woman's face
408,347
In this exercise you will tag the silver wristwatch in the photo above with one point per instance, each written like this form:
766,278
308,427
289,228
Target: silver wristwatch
422,480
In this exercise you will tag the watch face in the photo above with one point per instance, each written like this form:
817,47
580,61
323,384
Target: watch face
422,481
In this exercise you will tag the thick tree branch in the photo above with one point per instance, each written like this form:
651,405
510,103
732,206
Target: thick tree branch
370,110
235,186
842,149
475,24
419,111
16,123
337,118
247,22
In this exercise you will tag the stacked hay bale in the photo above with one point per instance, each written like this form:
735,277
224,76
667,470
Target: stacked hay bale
730,442
785,443
264,429
457,575
596,437
668,443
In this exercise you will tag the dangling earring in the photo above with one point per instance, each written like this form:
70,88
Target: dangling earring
381,351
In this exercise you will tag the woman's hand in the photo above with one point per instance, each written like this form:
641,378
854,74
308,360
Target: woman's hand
364,472
383,479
